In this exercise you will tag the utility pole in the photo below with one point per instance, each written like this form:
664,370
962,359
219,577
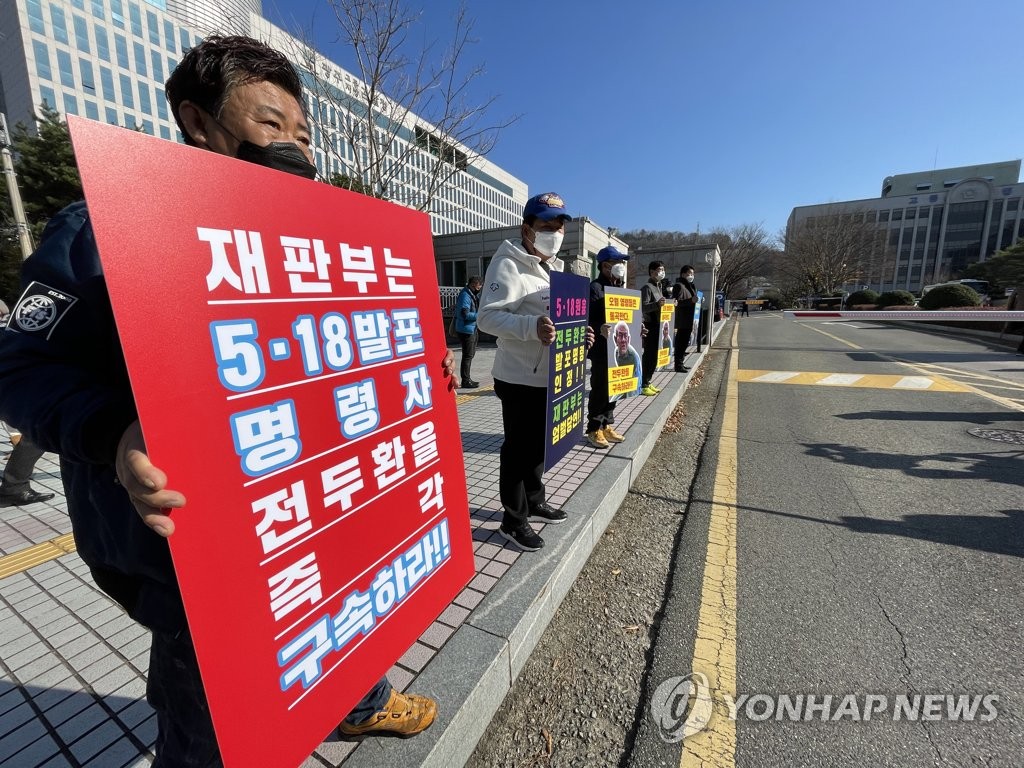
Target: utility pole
7,161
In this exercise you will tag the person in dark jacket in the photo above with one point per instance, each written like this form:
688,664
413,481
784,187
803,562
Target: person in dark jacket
465,325
685,294
611,265
63,380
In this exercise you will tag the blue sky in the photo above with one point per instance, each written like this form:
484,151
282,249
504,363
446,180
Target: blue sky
679,114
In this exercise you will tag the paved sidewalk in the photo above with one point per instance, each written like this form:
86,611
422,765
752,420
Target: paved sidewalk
72,665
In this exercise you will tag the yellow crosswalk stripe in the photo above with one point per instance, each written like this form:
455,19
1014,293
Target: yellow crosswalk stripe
865,380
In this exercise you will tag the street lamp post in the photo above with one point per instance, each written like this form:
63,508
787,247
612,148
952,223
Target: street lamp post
7,163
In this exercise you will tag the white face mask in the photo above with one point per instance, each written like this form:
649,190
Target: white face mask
659,275
548,243
619,271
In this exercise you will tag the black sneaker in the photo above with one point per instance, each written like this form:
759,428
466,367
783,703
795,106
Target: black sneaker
547,514
523,537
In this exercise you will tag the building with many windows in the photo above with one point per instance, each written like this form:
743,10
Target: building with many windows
108,60
937,222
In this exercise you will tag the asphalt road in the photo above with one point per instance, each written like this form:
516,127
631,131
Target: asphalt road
877,550
801,538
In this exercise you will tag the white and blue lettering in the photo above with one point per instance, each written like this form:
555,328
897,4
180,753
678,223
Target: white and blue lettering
408,332
307,669
417,388
298,262
266,438
356,406
251,276
371,332
239,358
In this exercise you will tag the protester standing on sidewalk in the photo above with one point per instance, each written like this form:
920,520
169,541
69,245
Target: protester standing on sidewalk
651,301
685,294
466,307
611,266
514,308
66,384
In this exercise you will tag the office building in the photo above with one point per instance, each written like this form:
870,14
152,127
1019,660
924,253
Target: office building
108,60
937,222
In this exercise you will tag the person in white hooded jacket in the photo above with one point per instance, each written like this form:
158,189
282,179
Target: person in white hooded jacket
514,308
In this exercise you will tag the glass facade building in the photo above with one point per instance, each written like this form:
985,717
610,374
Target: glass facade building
944,221
108,60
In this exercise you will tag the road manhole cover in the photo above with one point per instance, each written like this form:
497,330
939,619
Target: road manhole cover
1014,436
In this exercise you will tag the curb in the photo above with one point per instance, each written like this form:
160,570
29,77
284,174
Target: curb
476,668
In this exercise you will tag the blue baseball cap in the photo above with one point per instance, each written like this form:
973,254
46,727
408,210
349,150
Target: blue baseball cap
546,206
611,253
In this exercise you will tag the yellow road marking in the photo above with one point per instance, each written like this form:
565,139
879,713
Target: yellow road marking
867,380
714,650
36,555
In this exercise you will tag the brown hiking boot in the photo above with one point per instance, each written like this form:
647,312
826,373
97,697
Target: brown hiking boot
405,715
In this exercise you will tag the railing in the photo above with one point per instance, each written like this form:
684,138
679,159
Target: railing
449,295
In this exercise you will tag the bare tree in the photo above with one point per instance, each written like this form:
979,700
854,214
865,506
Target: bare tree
406,124
838,248
745,250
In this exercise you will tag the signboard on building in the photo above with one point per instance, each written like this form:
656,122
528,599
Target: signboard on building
289,382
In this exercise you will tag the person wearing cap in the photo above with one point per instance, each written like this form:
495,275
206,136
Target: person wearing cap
652,299
611,265
514,308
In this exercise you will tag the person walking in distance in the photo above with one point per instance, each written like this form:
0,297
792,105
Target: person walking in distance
465,325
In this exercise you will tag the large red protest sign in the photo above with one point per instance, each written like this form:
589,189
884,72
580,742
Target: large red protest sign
284,344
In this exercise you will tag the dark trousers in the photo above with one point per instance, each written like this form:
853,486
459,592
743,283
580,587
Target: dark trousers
684,328
185,737
600,412
650,358
20,465
468,353
521,471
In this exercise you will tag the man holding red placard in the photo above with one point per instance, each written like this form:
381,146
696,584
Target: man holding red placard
64,378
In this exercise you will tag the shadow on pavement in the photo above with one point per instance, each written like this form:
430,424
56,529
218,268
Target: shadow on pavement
999,467
481,442
41,724
986,533
989,417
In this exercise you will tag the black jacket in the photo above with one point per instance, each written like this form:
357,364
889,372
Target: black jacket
63,381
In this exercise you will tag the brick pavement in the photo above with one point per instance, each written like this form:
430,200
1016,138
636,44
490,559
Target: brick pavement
72,665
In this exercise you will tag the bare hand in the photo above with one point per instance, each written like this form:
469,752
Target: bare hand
146,485
643,331
545,330
590,337
448,364
661,302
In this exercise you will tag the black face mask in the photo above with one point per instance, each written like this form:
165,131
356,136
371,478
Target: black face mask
279,155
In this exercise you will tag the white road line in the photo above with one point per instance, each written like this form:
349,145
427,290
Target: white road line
913,382
841,379
776,376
